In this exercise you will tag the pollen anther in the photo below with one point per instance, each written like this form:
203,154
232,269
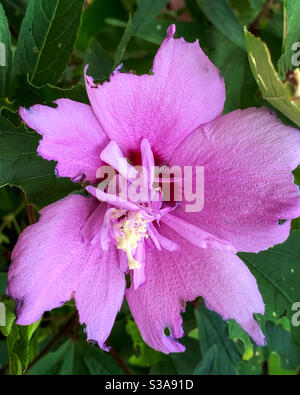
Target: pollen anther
130,232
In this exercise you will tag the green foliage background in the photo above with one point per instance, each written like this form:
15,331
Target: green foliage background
47,43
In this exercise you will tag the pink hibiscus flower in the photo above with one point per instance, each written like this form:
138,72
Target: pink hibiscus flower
80,248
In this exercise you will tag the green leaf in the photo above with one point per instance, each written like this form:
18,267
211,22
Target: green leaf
15,11
147,11
94,19
232,60
164,367
208,362
146,355
295,335
27,95
18,339
278,340
255,365
99,61
186,362
275,27
75,358
18,343
277,93
277,272
237,333
9,307
222,17
214,331
257,5
10,201
22,167
15,364
291,36
5,54
3,283
275,368
46,39
123,43
155,31
179,363
3,354
244,11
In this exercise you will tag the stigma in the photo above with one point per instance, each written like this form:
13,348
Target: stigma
130,231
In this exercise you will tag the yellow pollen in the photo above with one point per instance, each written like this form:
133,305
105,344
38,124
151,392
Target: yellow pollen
131,231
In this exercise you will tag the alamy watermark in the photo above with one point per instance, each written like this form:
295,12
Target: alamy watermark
143,184
296,315
296,56
2,314
2,55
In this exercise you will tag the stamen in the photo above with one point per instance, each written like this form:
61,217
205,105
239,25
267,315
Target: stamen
129,233
129,223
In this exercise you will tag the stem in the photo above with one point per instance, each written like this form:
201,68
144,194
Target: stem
13,32
30,214
30,211
265,368
118,359
11,218
17,227
254,27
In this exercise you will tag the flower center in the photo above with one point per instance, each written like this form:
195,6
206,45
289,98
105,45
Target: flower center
129,233
131,220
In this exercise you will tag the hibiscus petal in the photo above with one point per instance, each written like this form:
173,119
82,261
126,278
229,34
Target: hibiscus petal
160,241
248,156
185,91
113,156
172,278
71,135
90,230
51,262
113,200
138,275
148,163
194,234
99,294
